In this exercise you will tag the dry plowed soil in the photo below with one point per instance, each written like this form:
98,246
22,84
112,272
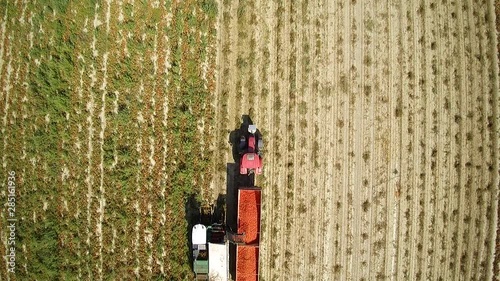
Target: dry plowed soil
380,122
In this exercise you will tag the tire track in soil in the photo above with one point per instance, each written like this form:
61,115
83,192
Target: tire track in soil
414,148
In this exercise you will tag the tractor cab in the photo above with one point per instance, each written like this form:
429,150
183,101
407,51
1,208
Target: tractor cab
250,145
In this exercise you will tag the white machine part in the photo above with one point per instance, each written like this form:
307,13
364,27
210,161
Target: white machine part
252,129
199,235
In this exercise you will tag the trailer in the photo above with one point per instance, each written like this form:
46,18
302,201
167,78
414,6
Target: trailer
247,248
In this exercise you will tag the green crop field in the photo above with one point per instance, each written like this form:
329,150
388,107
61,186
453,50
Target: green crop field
103,109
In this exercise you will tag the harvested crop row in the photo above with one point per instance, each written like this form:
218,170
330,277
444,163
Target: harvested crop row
372,117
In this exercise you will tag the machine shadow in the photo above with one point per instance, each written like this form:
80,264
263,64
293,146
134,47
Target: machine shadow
192,209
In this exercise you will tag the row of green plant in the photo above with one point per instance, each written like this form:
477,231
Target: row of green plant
51,137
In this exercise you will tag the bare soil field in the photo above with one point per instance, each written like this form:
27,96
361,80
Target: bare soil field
381,127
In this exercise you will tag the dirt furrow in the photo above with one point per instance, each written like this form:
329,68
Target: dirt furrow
308,198
291,254
370,87
284,119
338,137
330,246
469,139
454,103
372,152
361,192
415,145
257,45
493,126
219,146
324,206
321,103
427,143
370,235
422,155
386,124
381,149
242,61
483,161
270,171
394,165
442,200
346,250
268,248
406,110
462,146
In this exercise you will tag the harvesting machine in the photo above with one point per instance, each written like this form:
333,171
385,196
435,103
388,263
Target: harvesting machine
210,252
250,148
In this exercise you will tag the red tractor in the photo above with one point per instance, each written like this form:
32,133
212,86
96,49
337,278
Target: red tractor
250,148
